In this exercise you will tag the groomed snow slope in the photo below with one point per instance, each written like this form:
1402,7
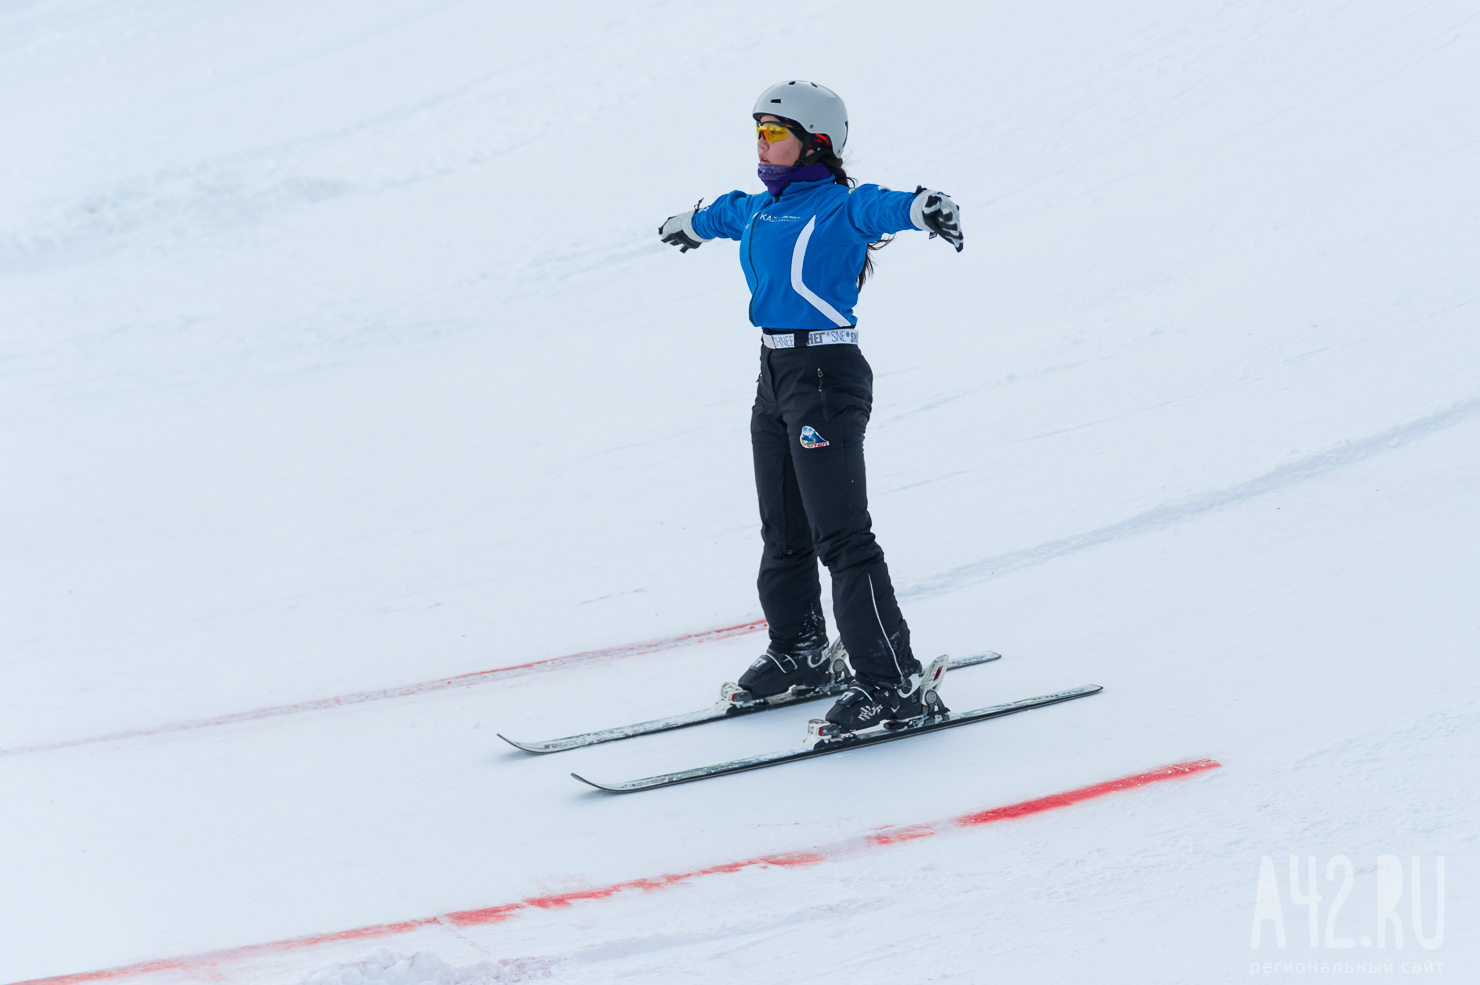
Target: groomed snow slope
339,355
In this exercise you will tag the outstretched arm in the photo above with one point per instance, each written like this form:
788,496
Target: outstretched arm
725,218
875,212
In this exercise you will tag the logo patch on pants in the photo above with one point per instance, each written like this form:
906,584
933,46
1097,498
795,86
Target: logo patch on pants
811,439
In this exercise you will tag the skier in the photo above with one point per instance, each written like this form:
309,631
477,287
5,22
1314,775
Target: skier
804,247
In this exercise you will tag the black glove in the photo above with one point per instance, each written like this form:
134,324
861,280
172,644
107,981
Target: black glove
934,211
678,230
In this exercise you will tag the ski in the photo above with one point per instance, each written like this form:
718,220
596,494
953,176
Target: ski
723,709
824,745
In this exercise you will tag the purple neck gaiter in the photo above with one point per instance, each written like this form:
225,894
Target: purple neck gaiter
778,176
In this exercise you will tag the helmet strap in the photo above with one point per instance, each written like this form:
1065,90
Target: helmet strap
816,148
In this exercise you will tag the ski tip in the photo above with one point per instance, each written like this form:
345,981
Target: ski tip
593,783
980,658
517,745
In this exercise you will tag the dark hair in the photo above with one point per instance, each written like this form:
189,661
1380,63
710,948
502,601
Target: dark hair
828,158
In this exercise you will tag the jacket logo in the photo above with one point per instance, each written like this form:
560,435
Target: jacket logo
811,439
779,218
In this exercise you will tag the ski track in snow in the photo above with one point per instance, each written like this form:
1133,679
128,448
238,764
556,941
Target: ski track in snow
408,690
1292,473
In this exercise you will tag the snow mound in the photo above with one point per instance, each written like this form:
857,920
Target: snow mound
385,967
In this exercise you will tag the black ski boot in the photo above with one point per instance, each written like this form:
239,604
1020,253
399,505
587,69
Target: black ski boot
869,704
777,670
778,673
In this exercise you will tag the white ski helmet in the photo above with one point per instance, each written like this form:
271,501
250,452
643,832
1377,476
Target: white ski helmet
815,107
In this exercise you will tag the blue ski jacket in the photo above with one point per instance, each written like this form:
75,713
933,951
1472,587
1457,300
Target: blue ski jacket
802,250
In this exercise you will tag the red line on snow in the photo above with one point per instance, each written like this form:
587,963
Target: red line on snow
406,690
498,914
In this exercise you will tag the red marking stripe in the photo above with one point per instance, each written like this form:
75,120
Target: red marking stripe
1085,793
426,687
498,914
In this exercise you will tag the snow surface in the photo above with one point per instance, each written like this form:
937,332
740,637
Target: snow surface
339,355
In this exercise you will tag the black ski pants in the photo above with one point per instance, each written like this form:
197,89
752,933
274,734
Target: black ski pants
812,406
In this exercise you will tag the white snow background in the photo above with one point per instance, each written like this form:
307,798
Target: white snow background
337,352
